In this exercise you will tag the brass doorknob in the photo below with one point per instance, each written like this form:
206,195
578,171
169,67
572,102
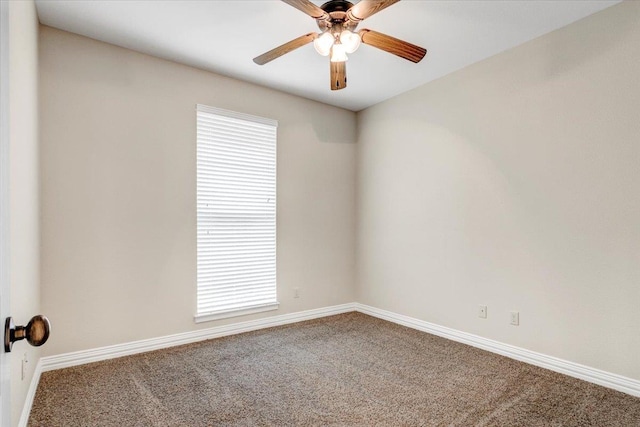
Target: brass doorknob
36,332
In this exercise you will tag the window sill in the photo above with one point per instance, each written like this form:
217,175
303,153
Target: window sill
207,317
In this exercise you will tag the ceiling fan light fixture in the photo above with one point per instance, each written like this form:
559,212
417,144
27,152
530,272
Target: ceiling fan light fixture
350,41
338,53
323,43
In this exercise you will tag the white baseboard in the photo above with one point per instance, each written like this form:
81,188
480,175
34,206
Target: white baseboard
606,379
596,376
31,394
103,353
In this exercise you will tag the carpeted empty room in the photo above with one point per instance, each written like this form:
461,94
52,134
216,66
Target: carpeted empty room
346,370
320,213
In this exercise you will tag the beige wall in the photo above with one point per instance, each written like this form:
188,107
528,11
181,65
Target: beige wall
118,192
24,189
514,183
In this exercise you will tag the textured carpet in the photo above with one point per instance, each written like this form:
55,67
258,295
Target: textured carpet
346,370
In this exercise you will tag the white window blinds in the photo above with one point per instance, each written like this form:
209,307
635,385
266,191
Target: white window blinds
236,180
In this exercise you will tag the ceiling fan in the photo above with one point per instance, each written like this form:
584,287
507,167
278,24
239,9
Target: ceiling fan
337,20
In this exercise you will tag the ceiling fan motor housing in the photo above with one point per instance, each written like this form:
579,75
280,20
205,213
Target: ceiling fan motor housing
337,10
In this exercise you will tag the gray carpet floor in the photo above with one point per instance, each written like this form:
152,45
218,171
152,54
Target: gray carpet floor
345,370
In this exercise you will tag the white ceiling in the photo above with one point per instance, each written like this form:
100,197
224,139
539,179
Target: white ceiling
224,37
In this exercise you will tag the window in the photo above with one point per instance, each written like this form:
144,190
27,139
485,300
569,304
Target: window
236,203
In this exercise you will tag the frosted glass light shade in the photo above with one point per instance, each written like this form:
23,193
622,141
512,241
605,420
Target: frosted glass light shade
323,43
350,41
338,53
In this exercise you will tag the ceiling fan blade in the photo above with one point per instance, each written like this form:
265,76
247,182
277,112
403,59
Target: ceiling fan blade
285,48
338,75
309,8
366,8
390,44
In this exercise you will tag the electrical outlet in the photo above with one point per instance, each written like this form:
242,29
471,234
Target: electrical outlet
296,292
515,318
23,371
482,311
